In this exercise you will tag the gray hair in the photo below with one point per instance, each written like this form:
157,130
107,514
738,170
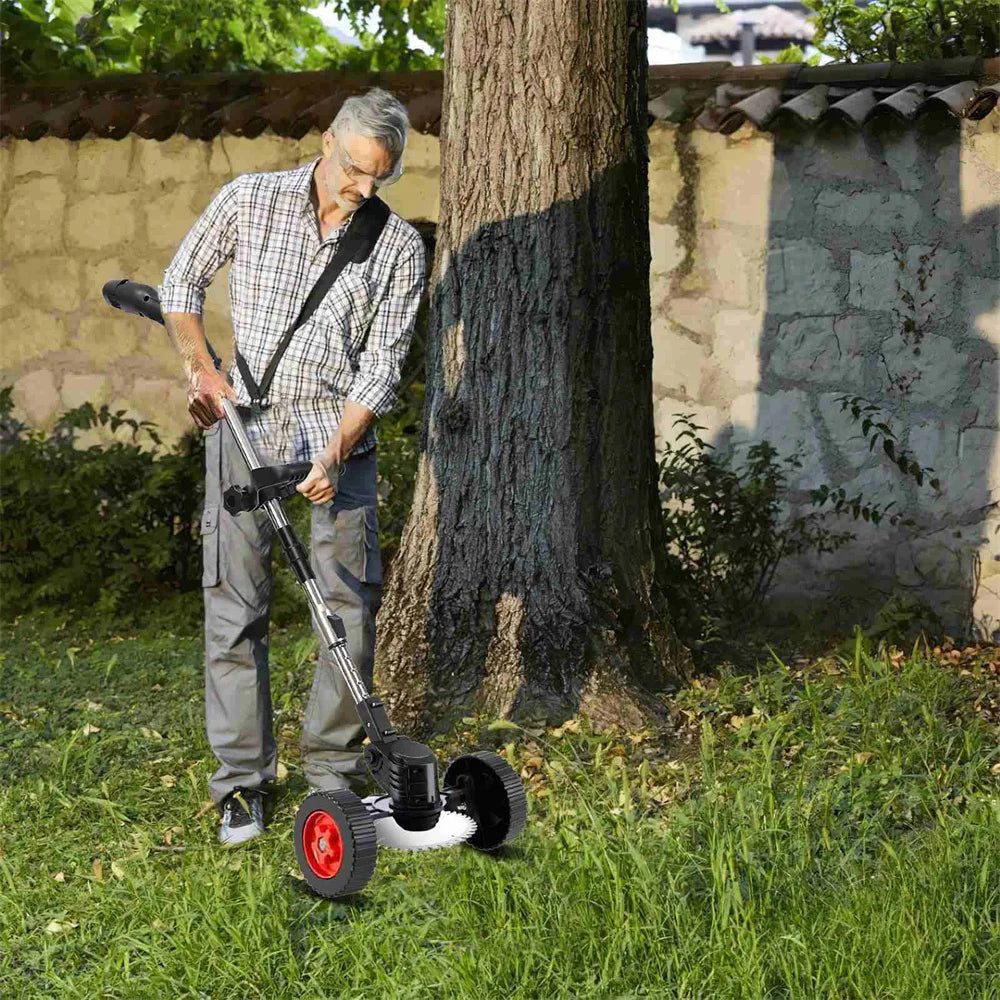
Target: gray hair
374,115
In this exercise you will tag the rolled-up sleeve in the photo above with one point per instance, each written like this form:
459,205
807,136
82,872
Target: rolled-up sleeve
209,244
381,362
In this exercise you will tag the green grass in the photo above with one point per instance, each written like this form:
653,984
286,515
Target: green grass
827,829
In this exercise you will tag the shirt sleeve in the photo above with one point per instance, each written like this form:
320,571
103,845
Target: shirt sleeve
381,362
209,244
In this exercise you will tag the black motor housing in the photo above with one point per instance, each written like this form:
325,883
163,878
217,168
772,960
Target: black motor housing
407,770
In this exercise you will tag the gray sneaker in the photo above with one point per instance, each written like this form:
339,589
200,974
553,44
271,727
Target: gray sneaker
242,817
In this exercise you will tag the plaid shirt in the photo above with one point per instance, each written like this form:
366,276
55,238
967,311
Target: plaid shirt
266,226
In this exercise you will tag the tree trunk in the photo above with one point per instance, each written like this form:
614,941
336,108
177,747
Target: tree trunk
526,583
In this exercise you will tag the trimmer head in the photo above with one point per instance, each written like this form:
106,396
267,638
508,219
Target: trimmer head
452,828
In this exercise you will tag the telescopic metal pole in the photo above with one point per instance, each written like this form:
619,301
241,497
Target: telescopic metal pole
323,617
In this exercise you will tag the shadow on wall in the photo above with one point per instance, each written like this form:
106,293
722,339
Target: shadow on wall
882,266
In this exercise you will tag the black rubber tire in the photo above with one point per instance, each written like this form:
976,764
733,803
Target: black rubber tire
358,840
497,803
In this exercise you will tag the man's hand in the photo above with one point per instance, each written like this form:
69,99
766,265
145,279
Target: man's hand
205,385
317,486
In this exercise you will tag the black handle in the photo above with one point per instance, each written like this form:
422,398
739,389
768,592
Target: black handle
131,297
141,300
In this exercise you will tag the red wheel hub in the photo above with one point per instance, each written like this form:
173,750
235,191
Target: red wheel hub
322,844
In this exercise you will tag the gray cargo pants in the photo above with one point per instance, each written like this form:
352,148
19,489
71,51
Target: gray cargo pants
236,581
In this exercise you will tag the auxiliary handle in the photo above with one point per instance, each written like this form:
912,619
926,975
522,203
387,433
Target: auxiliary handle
142,300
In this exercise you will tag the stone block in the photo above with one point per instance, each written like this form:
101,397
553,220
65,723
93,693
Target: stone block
965,460
233,155
985,399
28,334
736,344
36,396
414,196
34,217
100,221
423,152
665,178
170,216
665,247
107,337
885,211
678,362
44,156
176,159
842,155
802,278
87,387
822,349
726,269
929,372
904,157
106,166
696,315
918,284
744,185
946,558
51,282
784,419
981,306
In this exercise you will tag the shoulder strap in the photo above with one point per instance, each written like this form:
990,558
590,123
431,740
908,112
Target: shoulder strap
355,246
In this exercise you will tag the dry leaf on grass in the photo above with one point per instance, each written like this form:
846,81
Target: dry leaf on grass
168,780
89,729
94,706
150,734
59,876
58,926
98,869
117,870
282,771
995,769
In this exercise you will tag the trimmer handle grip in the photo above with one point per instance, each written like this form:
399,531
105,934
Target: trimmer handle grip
132,297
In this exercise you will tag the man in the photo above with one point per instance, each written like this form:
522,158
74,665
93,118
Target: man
337,377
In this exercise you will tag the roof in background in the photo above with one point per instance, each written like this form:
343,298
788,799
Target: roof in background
717,96
769,22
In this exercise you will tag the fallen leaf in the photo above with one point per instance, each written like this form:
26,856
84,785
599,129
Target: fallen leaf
736,721
150,734
168,780
863,758
995,769
295,873
60,876
57,927
168,837
94,706
158,924
89,729
117,870
98,869
282,772
156,687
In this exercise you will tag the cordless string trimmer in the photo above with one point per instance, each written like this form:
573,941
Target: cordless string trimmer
337,834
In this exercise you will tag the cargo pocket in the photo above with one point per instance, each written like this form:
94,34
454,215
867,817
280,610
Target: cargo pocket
213,497
372,565
210,546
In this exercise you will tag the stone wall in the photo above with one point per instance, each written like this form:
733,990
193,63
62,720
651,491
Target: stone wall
77,214
791,269
787,269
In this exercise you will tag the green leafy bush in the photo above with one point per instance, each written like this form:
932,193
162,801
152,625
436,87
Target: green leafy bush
110,526
100,526
725,531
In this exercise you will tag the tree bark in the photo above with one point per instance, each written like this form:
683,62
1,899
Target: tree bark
526,584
